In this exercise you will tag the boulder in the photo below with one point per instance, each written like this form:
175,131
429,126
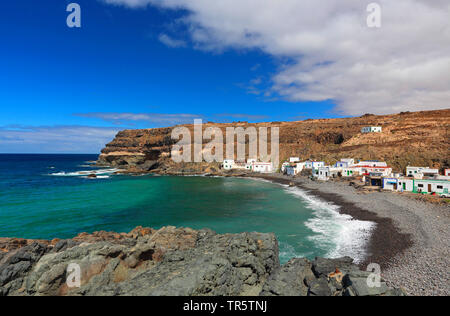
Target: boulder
289,280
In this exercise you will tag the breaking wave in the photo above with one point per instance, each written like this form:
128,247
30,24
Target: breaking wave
100,174
341,234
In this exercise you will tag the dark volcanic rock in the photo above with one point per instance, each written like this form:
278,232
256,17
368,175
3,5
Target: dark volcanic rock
173,261
322,267
15,265
289,280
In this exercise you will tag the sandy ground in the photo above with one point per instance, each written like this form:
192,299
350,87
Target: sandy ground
412,239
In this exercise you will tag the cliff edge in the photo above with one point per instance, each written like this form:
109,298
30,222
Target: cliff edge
411,138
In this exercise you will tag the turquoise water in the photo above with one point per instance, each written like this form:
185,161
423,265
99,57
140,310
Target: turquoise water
45,197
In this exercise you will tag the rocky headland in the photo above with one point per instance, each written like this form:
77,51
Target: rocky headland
409,138
174,261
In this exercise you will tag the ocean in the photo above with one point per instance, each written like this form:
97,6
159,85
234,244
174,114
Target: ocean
50,196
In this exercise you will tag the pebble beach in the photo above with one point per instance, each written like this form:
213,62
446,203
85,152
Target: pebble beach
411,241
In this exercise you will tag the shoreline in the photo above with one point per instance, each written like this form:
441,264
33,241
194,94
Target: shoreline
384,236
411,238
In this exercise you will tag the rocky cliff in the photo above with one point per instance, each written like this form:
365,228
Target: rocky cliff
173,261
419,138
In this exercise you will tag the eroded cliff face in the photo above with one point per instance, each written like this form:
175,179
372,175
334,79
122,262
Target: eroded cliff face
418,138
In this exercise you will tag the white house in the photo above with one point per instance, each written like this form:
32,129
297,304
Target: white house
313,164
228,164
262,167
290,171
327,172
293,169
294,159
371,163
390,184
345,163
420,172
351,171
398,184
405,185
284,166
299,167
431,186
376,171
371,129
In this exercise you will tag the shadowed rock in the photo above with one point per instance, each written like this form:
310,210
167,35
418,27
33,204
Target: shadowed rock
174,261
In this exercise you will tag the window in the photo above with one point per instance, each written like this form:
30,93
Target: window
420,185
440,187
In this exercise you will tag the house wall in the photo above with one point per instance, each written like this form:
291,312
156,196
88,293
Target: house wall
351,172
228,164
412,171
342,164
371,129
430,186
390,184
405,185
290,171
262,167
372,163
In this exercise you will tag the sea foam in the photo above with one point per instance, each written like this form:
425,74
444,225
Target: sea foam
100,173
341,234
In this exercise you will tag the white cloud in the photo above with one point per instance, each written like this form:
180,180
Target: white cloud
404,65
161,119
171,42
54,139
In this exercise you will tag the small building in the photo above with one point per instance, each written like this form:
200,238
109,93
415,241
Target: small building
420,172
351,171
371,129
290,171
294,159
262,167
376,171
345,163
374,181
327,172
311,164
284,166
372,163
405,185
299,166
398,184
431,186
390,184
228,164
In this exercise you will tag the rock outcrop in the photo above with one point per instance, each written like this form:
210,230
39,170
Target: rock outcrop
416,138
172,261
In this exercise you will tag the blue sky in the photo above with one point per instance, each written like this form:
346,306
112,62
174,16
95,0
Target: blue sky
55,77
148,63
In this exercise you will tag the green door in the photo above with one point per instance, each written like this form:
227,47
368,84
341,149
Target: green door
404,186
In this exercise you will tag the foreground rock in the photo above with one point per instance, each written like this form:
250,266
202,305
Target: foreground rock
173,261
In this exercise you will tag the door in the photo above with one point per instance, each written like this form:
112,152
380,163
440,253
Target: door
404,186
429,188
